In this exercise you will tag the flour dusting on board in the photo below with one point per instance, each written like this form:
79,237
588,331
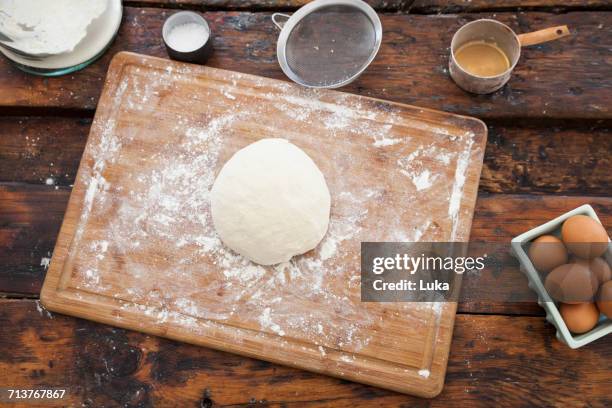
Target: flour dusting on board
148,215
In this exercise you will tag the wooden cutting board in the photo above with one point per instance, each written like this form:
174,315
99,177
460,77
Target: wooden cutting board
137,248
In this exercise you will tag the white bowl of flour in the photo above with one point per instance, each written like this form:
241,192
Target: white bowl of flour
44,27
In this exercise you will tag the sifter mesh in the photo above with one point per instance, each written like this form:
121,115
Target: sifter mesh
331,45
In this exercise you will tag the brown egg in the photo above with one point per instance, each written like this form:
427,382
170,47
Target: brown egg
584,237
604,299
547,252
571,283
598,266
580,317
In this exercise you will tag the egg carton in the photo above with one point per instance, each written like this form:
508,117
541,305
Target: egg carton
520,245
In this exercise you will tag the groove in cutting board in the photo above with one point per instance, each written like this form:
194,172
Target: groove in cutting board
137,248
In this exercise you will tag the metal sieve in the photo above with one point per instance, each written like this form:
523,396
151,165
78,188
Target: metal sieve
328,43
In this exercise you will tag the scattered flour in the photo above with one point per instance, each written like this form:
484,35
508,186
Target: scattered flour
423,180
346,358
266,321
457,192
229,95
386,141
424,373
41,310
45,262
152,218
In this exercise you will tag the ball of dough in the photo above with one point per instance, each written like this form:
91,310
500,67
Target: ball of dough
270,202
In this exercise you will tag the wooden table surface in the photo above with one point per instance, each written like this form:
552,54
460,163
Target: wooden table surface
549,150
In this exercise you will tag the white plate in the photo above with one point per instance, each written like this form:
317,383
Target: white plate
100,33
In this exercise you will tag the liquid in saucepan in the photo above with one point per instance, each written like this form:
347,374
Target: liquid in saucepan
481,58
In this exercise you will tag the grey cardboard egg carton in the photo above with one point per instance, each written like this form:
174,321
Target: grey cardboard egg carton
520,246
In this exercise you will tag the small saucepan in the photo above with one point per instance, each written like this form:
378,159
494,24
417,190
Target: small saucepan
504,39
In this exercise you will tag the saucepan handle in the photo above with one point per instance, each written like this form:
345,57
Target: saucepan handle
542,36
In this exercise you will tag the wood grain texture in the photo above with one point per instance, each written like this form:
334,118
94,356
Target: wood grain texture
41,150
561,79
30,218
256,4
554,157
144,176
471,6
495,360
420,6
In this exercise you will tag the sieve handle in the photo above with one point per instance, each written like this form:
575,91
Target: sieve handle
280,24
545,35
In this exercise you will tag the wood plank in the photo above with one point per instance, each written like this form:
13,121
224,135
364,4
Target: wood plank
255,4
419,6
506,361
473,6
30,217
553,157
41,150
561,79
